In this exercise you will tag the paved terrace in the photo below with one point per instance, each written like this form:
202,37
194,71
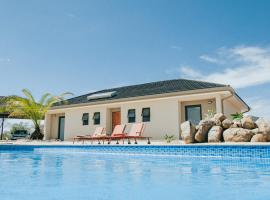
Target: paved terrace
113,143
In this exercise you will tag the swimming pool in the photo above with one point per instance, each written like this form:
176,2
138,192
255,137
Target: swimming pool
134,172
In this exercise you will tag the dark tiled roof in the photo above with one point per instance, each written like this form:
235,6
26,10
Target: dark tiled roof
160,87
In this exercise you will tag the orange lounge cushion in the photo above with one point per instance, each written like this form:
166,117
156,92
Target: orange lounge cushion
119,135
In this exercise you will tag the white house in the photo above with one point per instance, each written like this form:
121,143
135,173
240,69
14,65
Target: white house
162,106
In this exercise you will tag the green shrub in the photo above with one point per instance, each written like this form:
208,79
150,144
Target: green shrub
19,127
169,138
237,116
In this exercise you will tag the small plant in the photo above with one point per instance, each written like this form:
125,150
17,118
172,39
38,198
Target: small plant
210,114
169,138
237,116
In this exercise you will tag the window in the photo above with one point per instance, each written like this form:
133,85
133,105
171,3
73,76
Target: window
146,114
85,119
193,114
96,118
131,116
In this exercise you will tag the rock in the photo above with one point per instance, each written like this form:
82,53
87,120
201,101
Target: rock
215,134
248,123
263,126
219,117
187,132
226,123
237,135
259,138
204,126
236,124
218,123
255,131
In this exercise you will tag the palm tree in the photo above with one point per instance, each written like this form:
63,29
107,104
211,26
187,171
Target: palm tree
27,107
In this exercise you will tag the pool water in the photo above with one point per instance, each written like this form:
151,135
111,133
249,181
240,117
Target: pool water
63,173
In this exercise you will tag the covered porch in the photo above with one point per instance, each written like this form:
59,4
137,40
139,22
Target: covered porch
196,107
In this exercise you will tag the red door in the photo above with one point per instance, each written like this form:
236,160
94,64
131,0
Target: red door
116,119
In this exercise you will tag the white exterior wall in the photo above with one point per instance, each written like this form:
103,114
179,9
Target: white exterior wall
164,117
73,121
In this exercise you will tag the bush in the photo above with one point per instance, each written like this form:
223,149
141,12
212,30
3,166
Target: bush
169,138
19,127
237,116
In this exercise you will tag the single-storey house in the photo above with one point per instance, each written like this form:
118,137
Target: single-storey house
162,106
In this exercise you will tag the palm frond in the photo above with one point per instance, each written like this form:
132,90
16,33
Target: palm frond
44,98
28,94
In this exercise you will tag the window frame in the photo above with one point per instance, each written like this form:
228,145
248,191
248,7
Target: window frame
85,122
98,119
146,118
193,106
129,117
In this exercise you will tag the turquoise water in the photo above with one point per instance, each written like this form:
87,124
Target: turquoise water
79,174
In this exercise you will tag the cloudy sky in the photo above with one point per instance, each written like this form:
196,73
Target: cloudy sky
81,46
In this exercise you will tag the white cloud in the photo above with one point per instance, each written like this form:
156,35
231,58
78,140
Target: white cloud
71,15
247,66
188,71
209,59
176,47
5,60
259,107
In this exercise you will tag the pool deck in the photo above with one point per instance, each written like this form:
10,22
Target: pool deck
140,143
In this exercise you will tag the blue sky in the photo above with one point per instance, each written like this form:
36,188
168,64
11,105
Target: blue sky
81,46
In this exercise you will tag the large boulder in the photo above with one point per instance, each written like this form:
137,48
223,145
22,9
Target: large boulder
236,124
226,123
215,134
263,125
219,117
187,132
204,126
255,131
259,138
248,123
237,135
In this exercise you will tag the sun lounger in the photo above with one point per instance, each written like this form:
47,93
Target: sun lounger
136,132
99,132
117,134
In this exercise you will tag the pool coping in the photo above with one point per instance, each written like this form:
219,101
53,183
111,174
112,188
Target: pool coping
66,145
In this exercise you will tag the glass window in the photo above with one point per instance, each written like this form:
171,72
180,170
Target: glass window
193,114
131,115
96,118
146,114
85,119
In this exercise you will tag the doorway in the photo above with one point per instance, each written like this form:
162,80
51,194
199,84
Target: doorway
116,119
193,114
61,128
